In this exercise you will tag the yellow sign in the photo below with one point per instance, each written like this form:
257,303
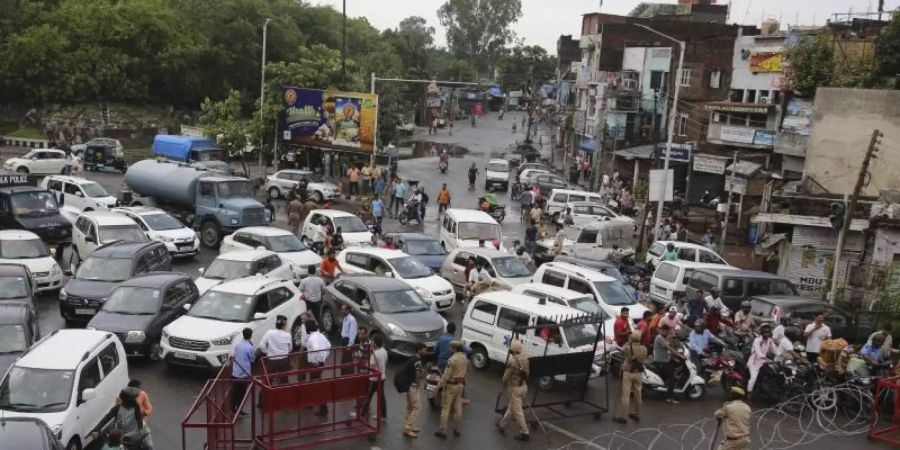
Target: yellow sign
766,62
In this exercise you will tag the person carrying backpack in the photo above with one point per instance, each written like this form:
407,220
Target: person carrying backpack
128,420
634,355
407,381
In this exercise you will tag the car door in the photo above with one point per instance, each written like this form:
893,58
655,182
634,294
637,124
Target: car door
72,196
281,304
582,215
91,238
311,227
507,320
356,263
707,256
175,296
456,270
261,306
349,293
54,162
687,254
586,245
280,268
87,413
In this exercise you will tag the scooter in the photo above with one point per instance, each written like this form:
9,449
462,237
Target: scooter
687,380
442,165
433,388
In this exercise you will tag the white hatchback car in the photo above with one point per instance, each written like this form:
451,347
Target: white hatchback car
206,335
39,161
527,175
280,183
26,248
70,380
78,193
435,290
160,226
244,263
274,239
95,228
686,251
353,229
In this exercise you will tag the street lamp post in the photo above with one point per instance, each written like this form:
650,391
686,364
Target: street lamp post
262,98
672,116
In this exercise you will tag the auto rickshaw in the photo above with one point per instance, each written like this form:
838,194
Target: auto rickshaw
104,157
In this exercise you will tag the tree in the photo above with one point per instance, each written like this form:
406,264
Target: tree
222,121
478,30
525,65
810,65
887,47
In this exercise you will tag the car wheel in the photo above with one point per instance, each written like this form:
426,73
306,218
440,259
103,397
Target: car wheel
327,320
22,169
480,359
295,332
88,209
274,192
154,353
74,444
319,197
694,392
210,235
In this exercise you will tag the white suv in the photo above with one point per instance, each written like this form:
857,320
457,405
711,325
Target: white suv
278,240
496,174
78,193
26,248
280,184
160,226
95,228
243,263
39,161
206,335
435,290
70,380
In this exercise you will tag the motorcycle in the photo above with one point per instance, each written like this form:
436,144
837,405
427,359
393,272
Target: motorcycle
780,382
725,369
433,387
442,166
708,201
497,212
687,380
409,212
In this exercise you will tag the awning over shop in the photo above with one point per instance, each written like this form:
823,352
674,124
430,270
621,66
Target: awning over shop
589,146
744,168
807,221
636,152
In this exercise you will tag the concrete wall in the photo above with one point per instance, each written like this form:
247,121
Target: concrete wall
841,129
886,246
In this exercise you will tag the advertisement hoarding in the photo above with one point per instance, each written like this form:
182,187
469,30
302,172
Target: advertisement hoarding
737,134
766,62
710,164
331,119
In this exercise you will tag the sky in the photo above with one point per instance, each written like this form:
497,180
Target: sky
543,21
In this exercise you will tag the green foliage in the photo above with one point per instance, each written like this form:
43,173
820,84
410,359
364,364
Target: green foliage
223,122
811,62
478,30
887,47
524,66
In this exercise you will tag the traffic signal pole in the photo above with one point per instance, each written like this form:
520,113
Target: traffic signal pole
851,208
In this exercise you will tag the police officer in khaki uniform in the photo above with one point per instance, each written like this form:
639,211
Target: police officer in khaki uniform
516,380
735,419
453,380
634,356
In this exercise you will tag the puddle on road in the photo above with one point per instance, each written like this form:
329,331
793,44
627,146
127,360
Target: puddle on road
419,149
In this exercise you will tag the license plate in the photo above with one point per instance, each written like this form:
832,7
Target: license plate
444,303
431,344
85,311
183,355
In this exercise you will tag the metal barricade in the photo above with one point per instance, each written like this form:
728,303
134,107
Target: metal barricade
214,412
887,392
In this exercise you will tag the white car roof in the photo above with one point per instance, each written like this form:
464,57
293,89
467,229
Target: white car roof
530,304
45,150
297,171
247,285
17,235
498,161
64,349
556,291
108,217
70,179
385,253
331,212
697,265
245,255
486,252
470,215
140,210
264,231
590,274
682,244
575,192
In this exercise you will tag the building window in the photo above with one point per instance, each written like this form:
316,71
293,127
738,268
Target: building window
682,126
686,74
715,79
739,119
736,95
751,96
757,120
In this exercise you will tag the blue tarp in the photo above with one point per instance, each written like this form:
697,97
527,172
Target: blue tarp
179,147
495,91
588,146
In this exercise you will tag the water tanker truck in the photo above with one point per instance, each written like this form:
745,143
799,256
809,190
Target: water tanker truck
212,203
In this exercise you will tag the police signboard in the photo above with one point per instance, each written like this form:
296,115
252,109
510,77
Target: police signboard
680,152
8,179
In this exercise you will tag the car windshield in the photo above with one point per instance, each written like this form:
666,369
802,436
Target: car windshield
350,224
408,267
781,287
94,190
572,234
104,269
230,189
13,287
27,248
613,293
613,272
162,222
285,243
510,267
36,390
12,338
498,167
223,306
398,302
479,231
424,248
586,304
579,335
133,300
226,269
34,204
124,233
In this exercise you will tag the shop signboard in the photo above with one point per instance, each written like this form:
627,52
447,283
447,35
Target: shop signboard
737,134
331,119
710,164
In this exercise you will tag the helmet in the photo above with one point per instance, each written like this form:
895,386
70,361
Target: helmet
699,323
745,304
765,328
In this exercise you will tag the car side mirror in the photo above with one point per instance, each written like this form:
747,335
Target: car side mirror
365,308
88,394
79,194
187,307
201,270
260,316
389,274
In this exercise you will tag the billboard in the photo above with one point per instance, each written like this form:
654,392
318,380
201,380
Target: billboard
331,119
766,62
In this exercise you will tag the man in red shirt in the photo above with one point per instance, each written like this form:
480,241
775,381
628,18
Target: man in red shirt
715,319
622,328
644,327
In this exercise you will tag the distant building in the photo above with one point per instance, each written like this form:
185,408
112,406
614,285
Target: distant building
567,52
686,10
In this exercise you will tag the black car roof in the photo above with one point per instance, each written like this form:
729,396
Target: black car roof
13,313
122,249
154,279
18,189
12,270
378,284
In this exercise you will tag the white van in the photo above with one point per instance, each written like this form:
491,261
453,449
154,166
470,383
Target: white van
672,277
78,193
70,380
559,198
466,227
609,292
686,251
490,318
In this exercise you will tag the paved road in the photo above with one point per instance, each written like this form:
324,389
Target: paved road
173,390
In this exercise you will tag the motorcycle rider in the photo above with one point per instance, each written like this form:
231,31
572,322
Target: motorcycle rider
743,321
872,353
762,347
699,340
715,319
473,174
714,300
666,357
735,419
785,347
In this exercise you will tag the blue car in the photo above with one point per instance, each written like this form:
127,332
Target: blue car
426,249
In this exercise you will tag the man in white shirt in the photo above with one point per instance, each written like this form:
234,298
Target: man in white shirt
783,346
714,300
311,288
348,337
377,360
317,350
816,333
276,344
472,279
484,279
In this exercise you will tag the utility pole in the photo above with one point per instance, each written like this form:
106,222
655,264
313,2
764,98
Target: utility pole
851,208
262,97
728,204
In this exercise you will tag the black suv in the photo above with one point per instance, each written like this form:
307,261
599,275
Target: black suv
802,311
103,270
18,330
138,309
34,209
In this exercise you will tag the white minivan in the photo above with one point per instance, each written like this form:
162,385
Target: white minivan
466,227
671,277
560,198
488,323
70,380
609,292
78,193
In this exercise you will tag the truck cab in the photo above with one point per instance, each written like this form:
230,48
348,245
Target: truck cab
199,152
24,206
229,203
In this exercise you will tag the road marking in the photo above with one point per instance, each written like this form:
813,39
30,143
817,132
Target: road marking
573,436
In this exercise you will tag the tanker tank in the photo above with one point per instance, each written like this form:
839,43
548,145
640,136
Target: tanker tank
165,182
